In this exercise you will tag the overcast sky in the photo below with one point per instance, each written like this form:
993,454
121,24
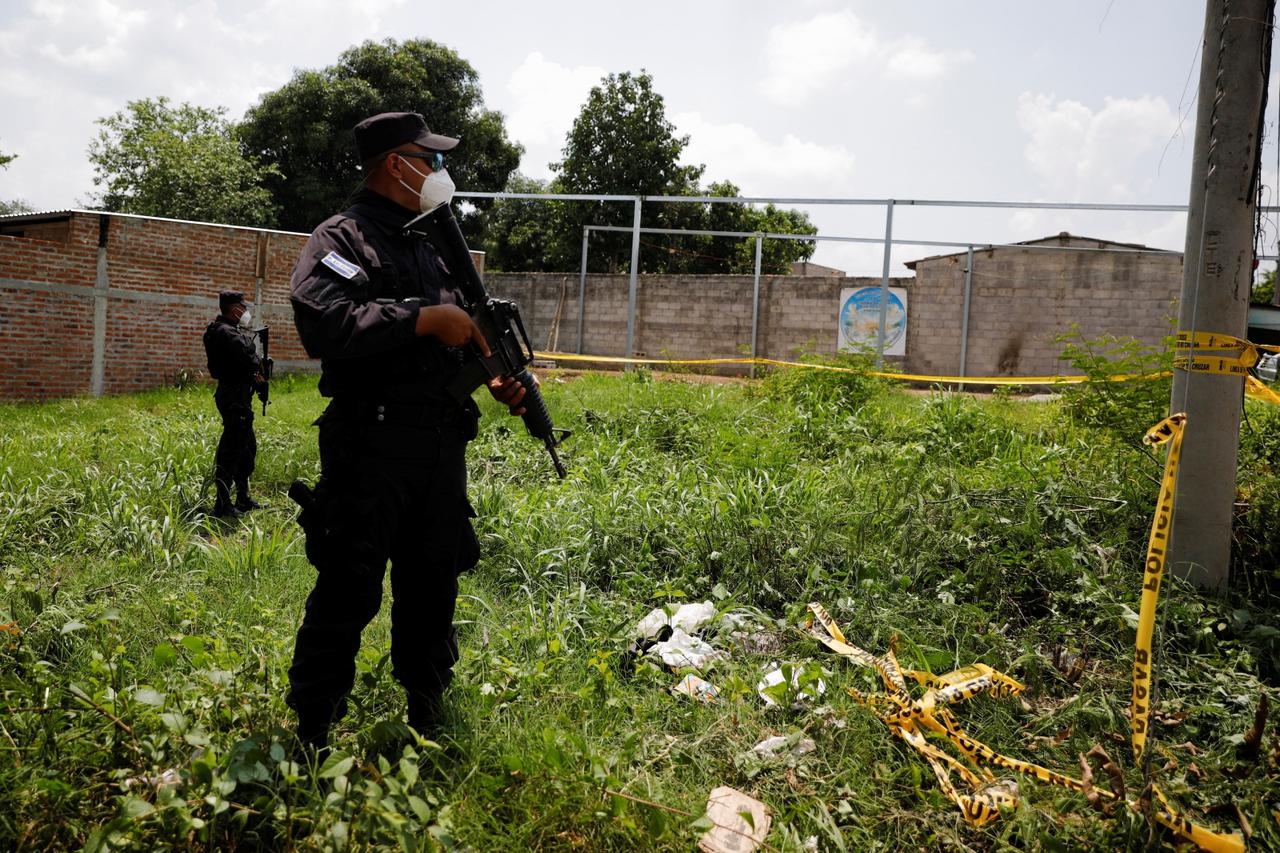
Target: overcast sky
1085,101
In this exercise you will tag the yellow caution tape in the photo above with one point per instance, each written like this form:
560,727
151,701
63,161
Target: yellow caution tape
910,719
1234,356
1259,390
1169,430
1207,839
1234,365
767,362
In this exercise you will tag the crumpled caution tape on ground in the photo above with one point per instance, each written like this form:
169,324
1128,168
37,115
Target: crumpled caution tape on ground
912,719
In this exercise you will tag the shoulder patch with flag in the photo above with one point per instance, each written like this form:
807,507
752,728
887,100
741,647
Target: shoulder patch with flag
340,265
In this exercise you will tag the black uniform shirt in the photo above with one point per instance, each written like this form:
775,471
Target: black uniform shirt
344,292
232,354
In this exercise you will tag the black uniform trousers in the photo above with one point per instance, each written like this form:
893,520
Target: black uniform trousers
388,491
238,447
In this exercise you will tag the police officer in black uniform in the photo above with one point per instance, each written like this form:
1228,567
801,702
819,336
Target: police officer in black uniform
233,361
392,440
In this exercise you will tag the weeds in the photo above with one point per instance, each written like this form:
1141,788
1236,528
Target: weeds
144,650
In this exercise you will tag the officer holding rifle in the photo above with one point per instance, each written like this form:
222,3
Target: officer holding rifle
392,439
233,361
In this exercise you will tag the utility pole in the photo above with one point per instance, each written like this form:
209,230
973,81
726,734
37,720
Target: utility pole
1216,278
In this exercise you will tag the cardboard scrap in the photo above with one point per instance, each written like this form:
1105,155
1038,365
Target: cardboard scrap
741,822
697,688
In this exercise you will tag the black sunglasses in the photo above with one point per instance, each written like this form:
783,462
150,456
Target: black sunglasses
435,159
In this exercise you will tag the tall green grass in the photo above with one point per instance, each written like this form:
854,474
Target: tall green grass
145,638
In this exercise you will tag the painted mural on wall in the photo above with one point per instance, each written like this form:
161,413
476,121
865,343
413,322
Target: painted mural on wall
858,328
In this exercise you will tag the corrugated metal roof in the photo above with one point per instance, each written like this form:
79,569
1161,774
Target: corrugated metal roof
1103,244
47,215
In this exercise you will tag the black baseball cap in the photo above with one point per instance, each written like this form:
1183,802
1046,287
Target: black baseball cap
228,298
379,134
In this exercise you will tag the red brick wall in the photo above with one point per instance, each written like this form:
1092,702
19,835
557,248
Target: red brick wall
46,344
46,338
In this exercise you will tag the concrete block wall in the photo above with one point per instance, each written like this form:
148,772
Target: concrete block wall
682,316
1023,299
103,303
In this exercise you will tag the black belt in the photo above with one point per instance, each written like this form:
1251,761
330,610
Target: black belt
428,415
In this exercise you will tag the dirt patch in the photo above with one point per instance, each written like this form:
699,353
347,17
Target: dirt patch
658,375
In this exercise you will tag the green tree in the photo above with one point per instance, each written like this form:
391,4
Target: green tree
523,233
1264,289
183,161
304,127
623,144
17,205
737,254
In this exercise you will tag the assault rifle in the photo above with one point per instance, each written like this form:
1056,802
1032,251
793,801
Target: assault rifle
268,367
499,322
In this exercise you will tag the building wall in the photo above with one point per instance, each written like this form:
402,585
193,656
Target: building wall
1022,299
139,290
680,316
87,308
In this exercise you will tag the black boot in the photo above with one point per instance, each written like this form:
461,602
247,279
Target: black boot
426,713
244,503
223,507
313,738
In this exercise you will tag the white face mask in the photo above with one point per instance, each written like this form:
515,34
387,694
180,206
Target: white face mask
245,319
437,188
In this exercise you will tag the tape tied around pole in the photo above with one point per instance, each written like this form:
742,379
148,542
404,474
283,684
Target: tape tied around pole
1227,355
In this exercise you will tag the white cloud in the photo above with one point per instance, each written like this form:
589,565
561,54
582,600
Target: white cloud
912,57
763,166
75,62
96,38
1112,154
807,57
550,97
1107,155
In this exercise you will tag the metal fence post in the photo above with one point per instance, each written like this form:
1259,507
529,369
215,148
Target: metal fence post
631,292
884,282
755,304
964,322
582,286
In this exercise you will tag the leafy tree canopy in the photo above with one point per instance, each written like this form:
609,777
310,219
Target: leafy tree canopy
526,234
184,161
17,205
1264,289
304,127
623,144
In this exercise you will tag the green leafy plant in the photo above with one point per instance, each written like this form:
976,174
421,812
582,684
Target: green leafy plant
1127,387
